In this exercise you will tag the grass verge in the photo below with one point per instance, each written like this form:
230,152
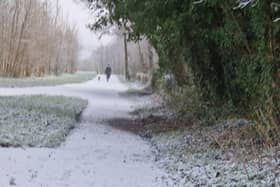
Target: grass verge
78,77
37,121
201,155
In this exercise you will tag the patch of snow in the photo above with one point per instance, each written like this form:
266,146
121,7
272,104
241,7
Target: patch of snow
50,80
37,121
94,155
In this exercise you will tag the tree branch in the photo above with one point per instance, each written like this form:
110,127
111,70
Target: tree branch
198,2
244,3
276,20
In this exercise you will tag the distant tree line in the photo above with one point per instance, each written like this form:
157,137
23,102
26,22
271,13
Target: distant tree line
34,39
230,48
141,57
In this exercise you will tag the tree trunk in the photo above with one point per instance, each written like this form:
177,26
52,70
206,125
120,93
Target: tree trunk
127,77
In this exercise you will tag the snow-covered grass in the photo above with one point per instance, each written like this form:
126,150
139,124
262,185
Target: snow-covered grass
193,161
192,157
37,121
78,77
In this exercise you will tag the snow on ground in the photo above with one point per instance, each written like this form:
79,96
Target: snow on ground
191,161
79,77
37,121
192,157
94,155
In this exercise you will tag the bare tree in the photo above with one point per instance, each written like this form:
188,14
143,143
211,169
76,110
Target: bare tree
33,41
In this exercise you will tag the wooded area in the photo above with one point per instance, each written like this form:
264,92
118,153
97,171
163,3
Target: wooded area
206,114
229,50
35,39
141,57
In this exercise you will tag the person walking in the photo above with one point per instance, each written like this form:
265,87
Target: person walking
108,72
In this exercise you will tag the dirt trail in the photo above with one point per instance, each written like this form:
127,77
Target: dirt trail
94,155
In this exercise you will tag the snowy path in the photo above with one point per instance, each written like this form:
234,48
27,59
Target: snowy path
94,155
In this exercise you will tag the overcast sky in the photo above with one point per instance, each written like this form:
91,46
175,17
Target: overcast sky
79,15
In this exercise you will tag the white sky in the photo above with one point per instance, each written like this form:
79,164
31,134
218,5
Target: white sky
79,15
